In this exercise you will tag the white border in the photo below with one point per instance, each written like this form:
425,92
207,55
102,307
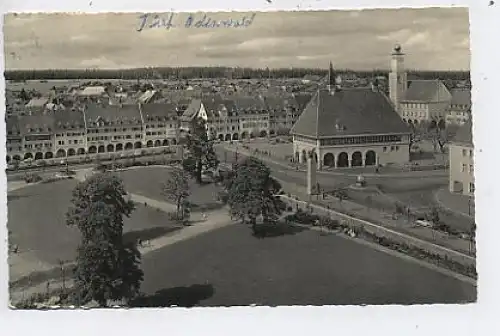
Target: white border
389,320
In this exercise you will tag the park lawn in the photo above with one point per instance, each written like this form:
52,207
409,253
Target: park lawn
148,182
230,267
36,218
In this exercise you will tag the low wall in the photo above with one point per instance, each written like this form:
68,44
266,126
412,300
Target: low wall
386,232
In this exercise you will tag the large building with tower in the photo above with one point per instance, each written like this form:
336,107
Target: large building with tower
425,101
351,127
461,152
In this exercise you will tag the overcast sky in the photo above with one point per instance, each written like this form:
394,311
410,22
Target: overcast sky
432,38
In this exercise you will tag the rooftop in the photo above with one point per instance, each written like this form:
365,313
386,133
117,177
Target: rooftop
427,91
357,111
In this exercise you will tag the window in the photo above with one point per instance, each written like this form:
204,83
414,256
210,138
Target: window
464,152
471,152
464,167
472,187
471,169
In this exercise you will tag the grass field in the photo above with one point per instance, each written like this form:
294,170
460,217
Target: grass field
149,182
231,267
36,218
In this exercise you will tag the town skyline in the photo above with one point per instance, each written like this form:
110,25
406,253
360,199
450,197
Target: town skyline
434,39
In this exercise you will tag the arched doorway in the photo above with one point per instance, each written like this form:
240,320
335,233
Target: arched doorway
228,137
92,149
272,132
129,146
110,148
263,134
174,142
343,160
61,153
157,143
304,156
101,149
221,137
119,147
49,155
80,151
149,143
138,144
297,156
235,136
244,135
71,152
329,160
165,142
252,135
404,120
38,156
433,124
16,158
370,158
357,159
415,122
28,156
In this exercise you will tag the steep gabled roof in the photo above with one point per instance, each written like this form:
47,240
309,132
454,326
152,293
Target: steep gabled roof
349,112
426,91
192,110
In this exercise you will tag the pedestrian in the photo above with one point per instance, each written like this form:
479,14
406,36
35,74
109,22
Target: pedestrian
204,216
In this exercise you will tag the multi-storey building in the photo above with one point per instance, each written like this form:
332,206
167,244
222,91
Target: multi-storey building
427,101
351,127
161,121
113,128
70,133
15,150
37,132
283,113
461,152
231,118
459,110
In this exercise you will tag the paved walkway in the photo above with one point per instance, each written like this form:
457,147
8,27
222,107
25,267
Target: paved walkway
215,220
23,264
459,204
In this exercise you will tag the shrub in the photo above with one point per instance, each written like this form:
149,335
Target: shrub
304,217
32,178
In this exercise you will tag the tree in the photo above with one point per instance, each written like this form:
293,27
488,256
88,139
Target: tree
176,189
433,216
200,151
252,192
107,267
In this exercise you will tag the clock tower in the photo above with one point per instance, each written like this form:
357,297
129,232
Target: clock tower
398,82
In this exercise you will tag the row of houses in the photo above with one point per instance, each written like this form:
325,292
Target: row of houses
102,128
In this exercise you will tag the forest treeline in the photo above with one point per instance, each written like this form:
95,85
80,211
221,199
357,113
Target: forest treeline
212,72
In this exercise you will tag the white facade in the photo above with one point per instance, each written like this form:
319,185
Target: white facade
398,81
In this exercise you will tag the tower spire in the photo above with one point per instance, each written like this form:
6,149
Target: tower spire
331,77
